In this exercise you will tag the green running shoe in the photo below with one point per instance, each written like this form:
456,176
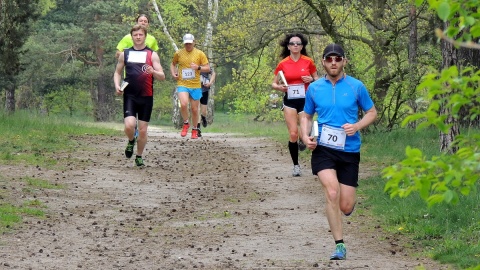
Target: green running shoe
340,252
139,162
129,149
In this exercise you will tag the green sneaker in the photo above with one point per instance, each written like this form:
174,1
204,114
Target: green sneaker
139,162
129,149
340,252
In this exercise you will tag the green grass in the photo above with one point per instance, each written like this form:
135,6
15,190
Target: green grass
28,138
447,233
245,124
42,184
386,148
32,139
11,215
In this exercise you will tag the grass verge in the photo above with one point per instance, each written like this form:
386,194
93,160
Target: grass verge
31,139
448,233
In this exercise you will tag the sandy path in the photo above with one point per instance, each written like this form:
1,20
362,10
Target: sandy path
220,202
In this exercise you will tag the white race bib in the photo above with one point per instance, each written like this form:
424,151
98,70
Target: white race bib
333,137
188,73
296,91
137,57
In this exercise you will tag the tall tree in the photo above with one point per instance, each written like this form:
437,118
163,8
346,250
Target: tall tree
93,28
450,58
97,18
16,17
212,19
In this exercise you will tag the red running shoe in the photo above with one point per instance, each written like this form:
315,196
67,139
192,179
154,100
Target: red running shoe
194,133
185,128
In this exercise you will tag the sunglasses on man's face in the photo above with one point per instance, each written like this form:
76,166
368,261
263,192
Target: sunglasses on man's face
330,59
295,43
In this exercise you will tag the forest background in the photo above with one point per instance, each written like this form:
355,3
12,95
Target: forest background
419,60
67,60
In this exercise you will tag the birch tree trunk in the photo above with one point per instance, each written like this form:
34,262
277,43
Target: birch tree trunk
213,13
176,116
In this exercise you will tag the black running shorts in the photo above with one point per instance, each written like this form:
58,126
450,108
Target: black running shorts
141,107
346,164
204,98
297,103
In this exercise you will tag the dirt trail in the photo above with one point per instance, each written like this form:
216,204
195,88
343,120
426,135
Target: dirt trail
220,202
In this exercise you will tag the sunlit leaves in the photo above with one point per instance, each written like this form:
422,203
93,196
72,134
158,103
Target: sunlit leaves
440,179
448,88
46,5
443,11
463,18
445,177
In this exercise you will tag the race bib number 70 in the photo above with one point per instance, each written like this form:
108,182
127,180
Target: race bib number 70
333,137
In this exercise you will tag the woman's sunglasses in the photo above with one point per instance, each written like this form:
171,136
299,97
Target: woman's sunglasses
295,43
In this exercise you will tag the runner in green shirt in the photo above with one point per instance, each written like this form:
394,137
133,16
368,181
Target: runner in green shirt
127,41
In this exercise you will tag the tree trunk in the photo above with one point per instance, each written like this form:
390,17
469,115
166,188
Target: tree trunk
10,98
213,11
469,57
412,61
381,84
176,115
105,100
450,58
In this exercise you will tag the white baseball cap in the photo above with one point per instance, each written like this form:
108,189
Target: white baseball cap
188,38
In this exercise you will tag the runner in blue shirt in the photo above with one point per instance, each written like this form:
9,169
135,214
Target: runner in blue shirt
336,99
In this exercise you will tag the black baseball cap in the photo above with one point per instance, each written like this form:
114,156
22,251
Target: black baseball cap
333,49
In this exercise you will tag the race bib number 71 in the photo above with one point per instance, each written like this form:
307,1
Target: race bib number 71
296,91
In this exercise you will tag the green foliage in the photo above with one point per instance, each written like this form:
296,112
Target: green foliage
463,17
248,91
447,233
46,5
16,18
68,99
452,89
441,179
446,177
